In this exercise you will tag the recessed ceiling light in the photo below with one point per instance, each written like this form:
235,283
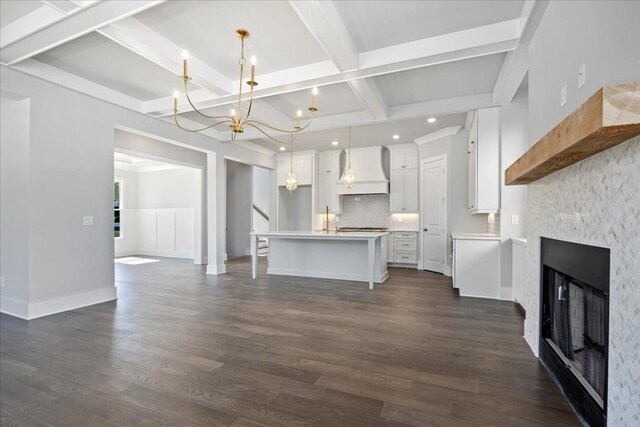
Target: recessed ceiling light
431,119
396,136
282,148
334,142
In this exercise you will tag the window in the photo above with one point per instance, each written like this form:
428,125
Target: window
117,207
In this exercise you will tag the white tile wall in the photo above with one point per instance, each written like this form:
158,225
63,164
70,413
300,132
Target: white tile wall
596,202
372,210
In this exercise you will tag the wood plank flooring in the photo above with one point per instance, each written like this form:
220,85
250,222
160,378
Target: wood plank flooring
183,348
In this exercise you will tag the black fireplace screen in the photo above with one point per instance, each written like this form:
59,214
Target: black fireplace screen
577,326
575,323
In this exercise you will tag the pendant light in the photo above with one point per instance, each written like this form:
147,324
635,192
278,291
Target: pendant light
349,175
292,181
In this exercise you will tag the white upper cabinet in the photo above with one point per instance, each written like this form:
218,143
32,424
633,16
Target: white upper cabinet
484,161
404,179
328,178
404,158
302,167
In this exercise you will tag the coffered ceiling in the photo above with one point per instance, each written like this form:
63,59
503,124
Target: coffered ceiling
379,65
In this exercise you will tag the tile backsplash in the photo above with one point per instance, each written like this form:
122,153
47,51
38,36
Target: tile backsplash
372,210
596,202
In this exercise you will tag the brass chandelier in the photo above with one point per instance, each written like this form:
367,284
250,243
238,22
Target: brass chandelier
236,120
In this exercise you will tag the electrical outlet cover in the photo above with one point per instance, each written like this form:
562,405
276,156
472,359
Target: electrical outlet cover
582,76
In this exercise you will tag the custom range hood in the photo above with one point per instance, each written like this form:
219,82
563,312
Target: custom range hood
370,165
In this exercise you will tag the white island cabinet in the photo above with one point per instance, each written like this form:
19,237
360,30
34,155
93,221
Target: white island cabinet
476,264
327,255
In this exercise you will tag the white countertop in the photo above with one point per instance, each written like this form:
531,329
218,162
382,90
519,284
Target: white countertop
520,241
474,236
345,235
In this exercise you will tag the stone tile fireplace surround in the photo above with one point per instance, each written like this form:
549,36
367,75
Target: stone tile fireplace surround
596,202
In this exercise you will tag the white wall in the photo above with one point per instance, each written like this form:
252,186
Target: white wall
514,142
594,201
458,217
167,189
14,205
239,209
71,175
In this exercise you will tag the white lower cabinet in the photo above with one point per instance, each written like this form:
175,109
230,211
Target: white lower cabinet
476,266
403,247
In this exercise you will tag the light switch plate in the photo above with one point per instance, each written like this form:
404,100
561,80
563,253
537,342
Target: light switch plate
563,96
515,219
582,76
87,220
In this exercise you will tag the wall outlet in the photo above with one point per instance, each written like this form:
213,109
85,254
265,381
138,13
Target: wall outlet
2,284
582,76
563,96
515,219
87,220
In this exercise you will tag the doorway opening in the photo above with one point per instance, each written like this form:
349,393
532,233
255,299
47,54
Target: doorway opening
247,207
433,213
157,209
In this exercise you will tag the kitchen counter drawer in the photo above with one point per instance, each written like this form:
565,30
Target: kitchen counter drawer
405,257
405,235
408,245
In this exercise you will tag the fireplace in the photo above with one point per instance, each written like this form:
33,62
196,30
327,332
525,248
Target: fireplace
574,330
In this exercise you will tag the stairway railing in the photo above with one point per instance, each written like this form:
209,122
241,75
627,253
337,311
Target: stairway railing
261,212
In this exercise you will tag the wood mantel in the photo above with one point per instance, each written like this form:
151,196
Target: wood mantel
610,117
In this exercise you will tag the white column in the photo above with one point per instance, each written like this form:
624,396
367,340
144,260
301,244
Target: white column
372,259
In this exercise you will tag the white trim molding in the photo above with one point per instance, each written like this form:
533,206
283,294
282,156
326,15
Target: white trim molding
442,133
29,311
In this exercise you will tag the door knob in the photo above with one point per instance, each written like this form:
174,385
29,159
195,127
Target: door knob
426,229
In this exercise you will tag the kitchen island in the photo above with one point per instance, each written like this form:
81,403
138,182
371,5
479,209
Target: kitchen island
326,255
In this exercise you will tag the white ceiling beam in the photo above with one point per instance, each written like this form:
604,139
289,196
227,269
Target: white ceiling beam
367,91
71,81
411,54
142,40
85,20
434,136
28,24
325,24
400,112
516,62
486,40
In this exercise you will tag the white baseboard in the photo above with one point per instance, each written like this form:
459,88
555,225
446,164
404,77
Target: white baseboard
506,294
166,254
123,253
328,275
14,307
220,269
71,302
447,270
45,308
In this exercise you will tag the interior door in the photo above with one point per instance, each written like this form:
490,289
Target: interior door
434,213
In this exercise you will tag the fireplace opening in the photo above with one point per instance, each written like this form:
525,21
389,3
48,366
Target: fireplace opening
575,323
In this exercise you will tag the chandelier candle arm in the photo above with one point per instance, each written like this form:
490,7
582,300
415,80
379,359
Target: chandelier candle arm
236,121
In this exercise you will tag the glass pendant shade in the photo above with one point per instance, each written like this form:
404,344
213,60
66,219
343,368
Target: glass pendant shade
292,181
349,177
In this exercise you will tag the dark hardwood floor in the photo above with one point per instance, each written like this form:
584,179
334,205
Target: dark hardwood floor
182,348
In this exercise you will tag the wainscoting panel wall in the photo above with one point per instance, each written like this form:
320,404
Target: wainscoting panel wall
163,232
